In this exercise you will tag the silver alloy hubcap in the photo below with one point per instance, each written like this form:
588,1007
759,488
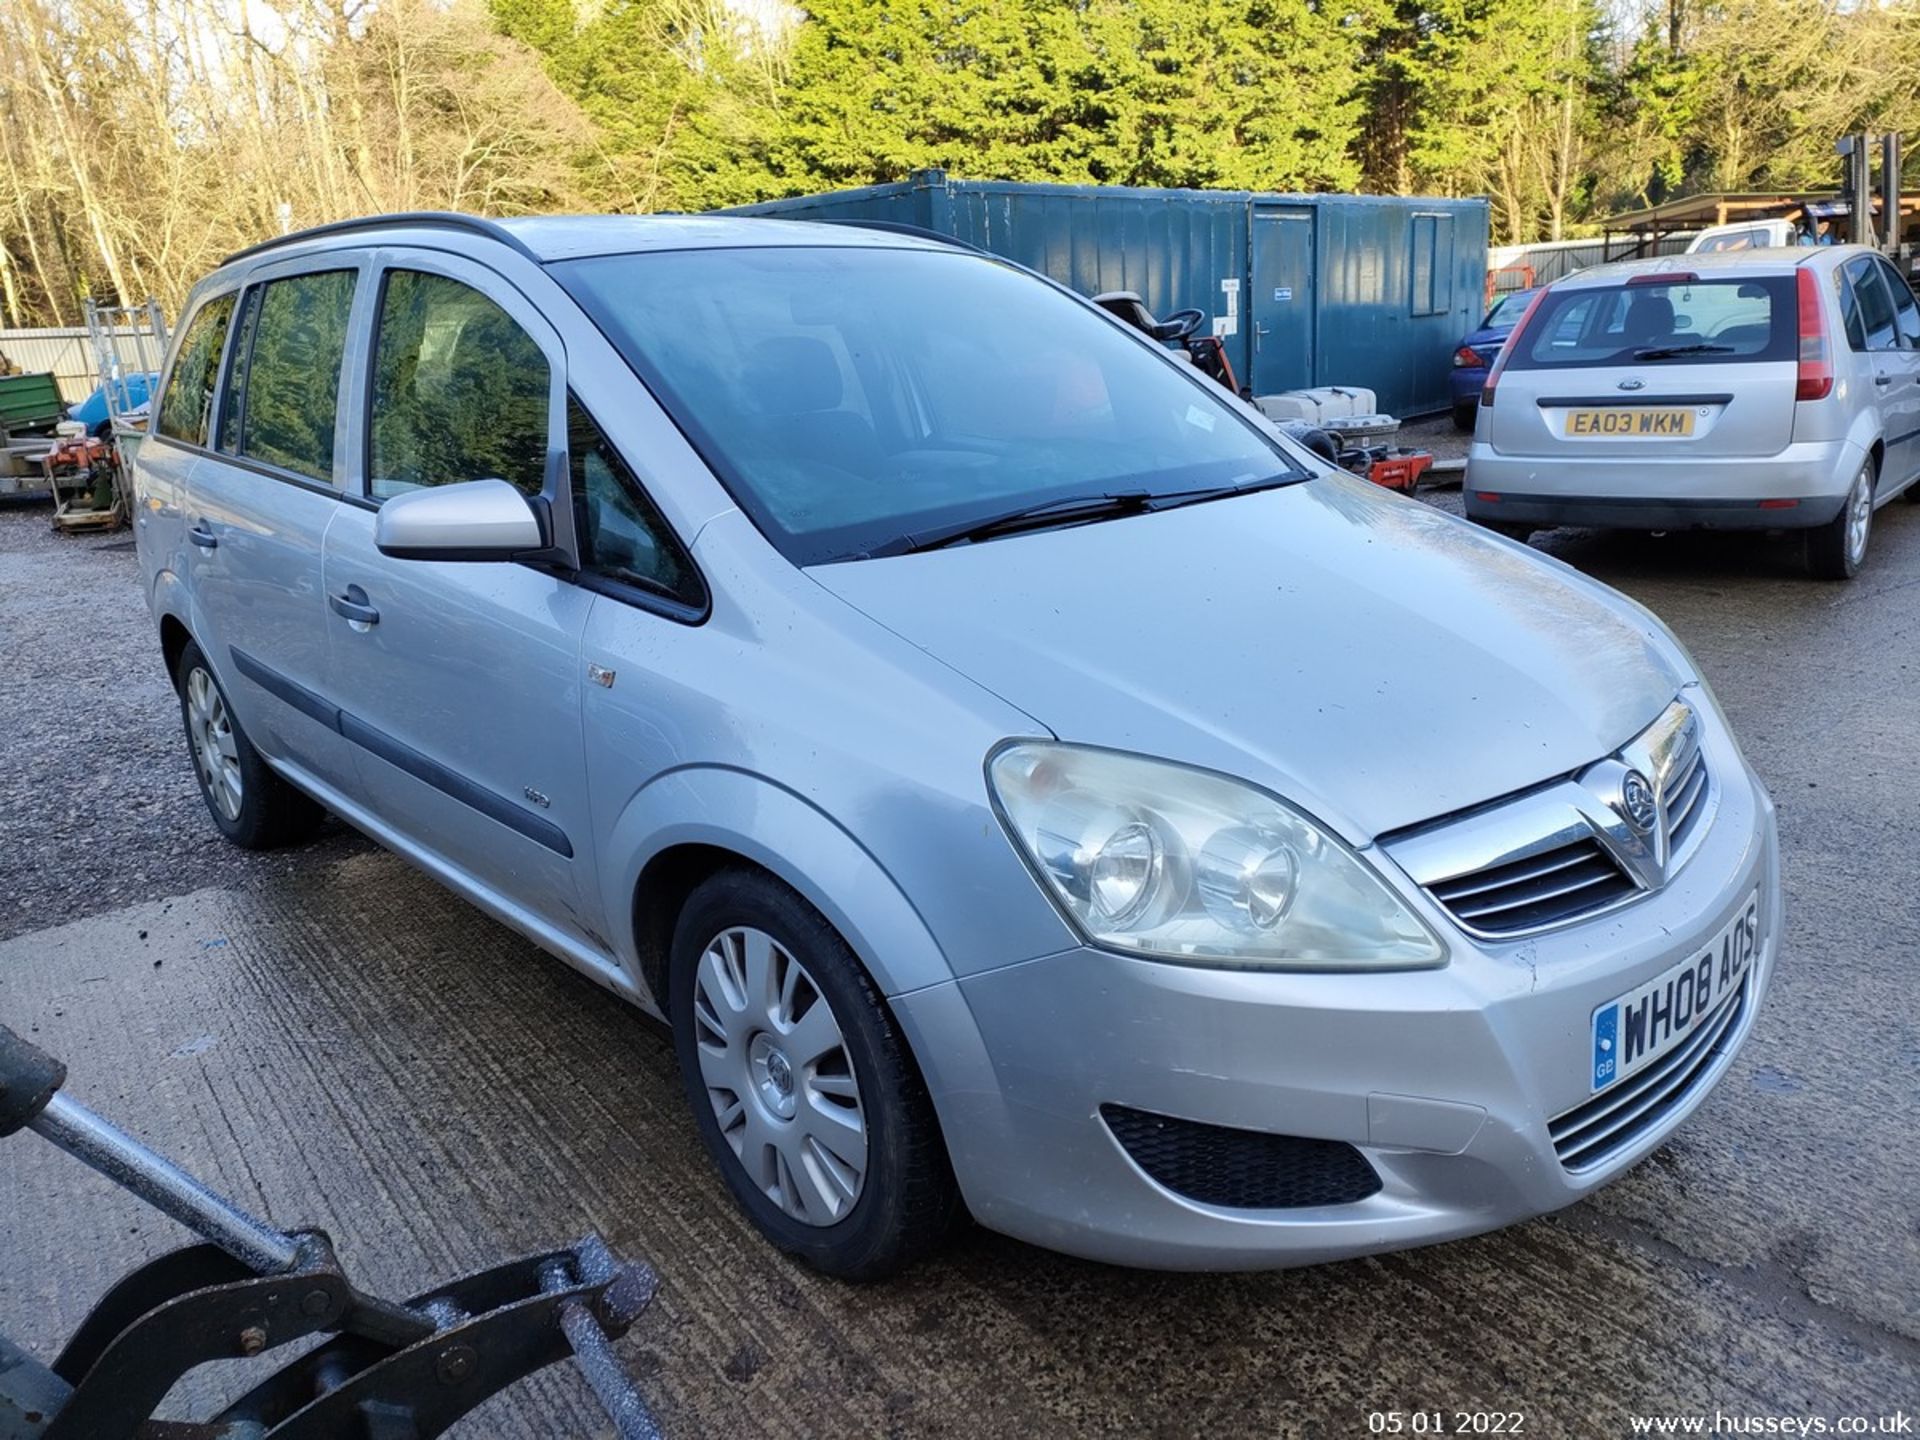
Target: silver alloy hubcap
1859,515
215,751
777,1072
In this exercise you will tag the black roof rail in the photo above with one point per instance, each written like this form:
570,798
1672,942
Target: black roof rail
892,227
435,219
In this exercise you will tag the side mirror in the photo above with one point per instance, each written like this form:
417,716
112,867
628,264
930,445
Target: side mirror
474,520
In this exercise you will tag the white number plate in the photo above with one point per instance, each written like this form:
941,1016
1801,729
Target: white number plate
1649,1020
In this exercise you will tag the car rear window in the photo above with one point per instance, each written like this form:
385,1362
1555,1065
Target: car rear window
1676,322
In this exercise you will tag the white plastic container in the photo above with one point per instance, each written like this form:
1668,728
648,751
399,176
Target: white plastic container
1317,406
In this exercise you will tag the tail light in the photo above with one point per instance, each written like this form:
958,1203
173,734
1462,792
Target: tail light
1815,380
1466,357
1664,277
1513,339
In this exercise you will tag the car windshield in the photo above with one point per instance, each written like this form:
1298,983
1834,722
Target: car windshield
1507,310
853,397
1669,322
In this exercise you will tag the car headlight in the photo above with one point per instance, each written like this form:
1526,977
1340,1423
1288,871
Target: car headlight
1182,864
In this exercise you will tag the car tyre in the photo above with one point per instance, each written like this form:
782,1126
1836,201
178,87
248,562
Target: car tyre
1465,414
801,1083
1838,549
250,804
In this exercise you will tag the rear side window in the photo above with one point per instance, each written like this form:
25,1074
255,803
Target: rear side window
184,408
460,391
284,393
1676,322
1873,303
1906,310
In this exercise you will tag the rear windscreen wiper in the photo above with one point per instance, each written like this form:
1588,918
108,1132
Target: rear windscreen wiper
1669,352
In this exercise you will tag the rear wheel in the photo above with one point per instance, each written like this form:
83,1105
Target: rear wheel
252,806
801,1085
1465,413
1838,549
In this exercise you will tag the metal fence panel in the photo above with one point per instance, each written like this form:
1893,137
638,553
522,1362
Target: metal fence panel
64,351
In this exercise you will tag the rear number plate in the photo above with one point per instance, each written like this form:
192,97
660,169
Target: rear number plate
1651,1019
1619,421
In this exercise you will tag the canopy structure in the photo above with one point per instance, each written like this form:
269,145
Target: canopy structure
1696,212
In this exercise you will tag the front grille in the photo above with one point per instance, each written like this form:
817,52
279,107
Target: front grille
1558,885
1241,1169
1612,1120
1681,793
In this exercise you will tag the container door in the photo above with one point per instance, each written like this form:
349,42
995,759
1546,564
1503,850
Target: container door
1282,301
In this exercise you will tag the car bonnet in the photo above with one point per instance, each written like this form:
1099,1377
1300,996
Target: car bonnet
1368,658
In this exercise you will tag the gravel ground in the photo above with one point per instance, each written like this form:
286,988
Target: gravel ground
98,806
1438,435
336,1040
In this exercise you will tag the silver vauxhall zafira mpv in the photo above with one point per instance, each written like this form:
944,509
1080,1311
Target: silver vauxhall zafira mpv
1029,787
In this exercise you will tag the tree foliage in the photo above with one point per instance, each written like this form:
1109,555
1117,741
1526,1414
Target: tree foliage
141,139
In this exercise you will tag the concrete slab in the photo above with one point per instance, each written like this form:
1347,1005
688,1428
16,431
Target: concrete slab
358,1049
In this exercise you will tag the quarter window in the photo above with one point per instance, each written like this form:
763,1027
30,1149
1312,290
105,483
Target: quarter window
620,533
185,406
284,392
1850,311
460,391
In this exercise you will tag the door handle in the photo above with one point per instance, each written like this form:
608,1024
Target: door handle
353,606
1883,379
203,537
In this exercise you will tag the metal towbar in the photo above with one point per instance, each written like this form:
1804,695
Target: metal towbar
390,1371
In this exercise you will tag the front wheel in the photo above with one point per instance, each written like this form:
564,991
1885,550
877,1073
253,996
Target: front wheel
801,1085
252,806
1838,549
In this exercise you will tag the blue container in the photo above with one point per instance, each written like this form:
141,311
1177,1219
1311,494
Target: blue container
1303,289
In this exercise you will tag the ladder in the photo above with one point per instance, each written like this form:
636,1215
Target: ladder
129,344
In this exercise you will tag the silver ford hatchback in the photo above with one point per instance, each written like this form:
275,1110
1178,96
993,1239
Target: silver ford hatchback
982,739
1769,389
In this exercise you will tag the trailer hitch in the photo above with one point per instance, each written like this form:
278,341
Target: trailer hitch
390,1371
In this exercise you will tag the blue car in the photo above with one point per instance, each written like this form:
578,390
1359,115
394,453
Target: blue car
1479,349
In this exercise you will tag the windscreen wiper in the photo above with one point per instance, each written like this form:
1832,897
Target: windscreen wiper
1074,510
1669,352
1071,510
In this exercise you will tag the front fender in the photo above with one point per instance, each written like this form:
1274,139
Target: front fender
790,837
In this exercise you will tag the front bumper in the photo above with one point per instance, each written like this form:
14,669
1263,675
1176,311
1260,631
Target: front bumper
1444,1080
1683,492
